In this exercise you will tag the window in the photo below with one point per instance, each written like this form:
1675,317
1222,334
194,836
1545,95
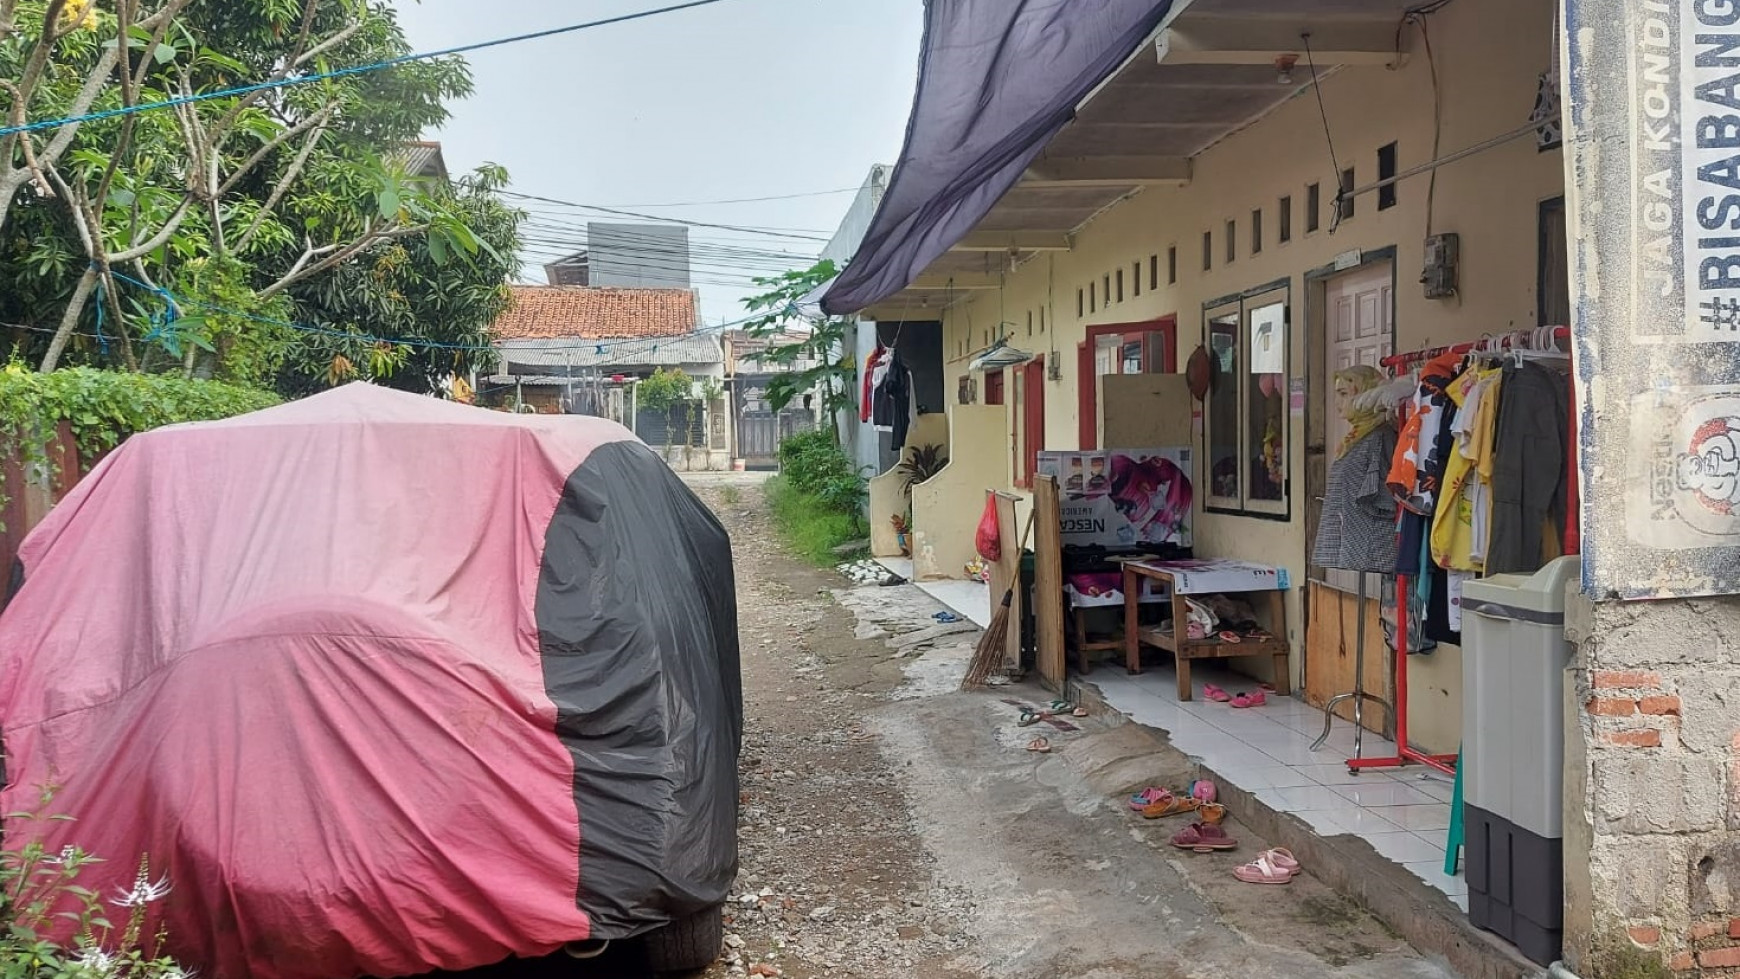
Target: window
1120,285
1030,322
1136,279
1080,303
1246,417
1232,241
1092,304
1207,250
1387,171
1346,195
1313,207
1284,228
1042,319
1172,265
1553,286
1154,269
1257,232
993,387
1106,293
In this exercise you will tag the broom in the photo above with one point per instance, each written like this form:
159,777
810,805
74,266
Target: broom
989,652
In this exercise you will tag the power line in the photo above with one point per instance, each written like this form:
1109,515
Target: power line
597,345
770,232
281,83
750,200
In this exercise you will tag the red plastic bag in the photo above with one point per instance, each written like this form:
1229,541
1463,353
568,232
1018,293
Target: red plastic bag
990,538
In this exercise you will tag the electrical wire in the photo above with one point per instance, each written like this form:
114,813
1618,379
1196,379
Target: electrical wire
749,200
809,235
598,345
282,83
1323,110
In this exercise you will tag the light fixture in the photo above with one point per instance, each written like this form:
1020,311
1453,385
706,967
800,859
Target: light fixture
1000,355
1284,68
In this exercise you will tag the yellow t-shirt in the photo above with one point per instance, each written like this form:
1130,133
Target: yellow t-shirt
1461,524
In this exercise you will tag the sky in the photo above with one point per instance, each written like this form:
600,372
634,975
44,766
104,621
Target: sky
743,99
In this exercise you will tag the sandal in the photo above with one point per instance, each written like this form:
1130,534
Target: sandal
1213,813
1169,805
1216,694
1203,838
1229,637
1147,797
1255,698
1030,717
1039,746
1272,867
1203,791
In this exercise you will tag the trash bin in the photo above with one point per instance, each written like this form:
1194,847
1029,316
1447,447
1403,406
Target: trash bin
1514,656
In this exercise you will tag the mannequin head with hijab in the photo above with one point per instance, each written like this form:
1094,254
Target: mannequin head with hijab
1350,383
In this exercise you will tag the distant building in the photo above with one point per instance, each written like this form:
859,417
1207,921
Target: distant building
627,256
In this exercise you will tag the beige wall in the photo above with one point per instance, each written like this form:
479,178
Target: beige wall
1489,54
888,495
946,507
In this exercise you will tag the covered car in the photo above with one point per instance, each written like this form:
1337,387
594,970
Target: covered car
379,684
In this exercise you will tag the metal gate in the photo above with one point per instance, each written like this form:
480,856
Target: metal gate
759,428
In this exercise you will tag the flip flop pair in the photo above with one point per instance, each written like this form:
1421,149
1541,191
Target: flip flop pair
1203,838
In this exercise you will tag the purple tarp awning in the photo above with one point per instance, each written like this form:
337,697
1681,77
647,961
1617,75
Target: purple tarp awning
996,80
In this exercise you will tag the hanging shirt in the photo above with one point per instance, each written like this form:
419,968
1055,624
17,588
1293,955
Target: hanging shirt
865,402
1421,453
1461,522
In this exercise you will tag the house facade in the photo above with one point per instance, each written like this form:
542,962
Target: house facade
1293,188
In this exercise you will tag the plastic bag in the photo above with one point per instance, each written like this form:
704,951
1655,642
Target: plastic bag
989,540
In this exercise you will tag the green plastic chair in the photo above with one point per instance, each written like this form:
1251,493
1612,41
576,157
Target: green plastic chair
1453,842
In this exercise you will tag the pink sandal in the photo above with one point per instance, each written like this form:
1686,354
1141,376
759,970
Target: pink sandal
1148,797
1275,866
1215,693
1255,698
1203,838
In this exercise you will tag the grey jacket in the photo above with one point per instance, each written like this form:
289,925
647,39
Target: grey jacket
1358,529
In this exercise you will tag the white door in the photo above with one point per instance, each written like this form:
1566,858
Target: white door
1360,306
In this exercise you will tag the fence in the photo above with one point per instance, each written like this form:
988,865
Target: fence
29,487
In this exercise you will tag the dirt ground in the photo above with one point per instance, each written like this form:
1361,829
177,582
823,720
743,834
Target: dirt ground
892,826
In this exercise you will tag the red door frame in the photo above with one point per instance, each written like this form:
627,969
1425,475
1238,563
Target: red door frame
1088,381
1033,418
994,387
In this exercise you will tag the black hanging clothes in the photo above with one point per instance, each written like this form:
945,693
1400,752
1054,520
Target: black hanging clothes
1528,470
898,388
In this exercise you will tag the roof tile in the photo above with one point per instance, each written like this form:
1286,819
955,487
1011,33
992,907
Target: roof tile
554,312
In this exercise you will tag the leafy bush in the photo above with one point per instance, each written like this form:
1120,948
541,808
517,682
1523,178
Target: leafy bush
40,897
104,407
818,497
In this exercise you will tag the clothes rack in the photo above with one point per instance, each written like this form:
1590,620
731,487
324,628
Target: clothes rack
1545,338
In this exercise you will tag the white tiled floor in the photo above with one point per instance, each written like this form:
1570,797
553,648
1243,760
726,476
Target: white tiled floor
968,598
1403,813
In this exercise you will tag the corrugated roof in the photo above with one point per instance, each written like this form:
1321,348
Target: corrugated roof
542,312
424,159
559,355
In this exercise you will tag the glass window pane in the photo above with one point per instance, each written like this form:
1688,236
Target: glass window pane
1133,355
1266,407
1223,406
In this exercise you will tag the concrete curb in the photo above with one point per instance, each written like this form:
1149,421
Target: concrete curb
1421,914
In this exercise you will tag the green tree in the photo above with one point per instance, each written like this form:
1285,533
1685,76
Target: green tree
824,342
410,289
233,203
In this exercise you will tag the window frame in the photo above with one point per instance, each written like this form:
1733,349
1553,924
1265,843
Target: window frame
1284,226
1388,156
1313,207
1244,305
1256,232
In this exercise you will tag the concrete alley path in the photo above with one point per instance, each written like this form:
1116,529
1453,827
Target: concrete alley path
895,827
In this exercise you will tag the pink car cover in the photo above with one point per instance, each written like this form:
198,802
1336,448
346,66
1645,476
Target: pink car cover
380,684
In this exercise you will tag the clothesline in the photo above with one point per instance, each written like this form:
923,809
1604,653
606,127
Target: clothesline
1522,340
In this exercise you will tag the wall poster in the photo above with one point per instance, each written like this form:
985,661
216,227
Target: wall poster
1122,497
1655,287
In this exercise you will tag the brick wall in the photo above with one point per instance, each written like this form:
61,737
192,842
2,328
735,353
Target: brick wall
1652,834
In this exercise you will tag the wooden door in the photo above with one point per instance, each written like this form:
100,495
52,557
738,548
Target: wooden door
1360,330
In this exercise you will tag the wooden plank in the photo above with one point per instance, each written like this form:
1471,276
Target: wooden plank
1145,411
1329,655
1048,647
1005,572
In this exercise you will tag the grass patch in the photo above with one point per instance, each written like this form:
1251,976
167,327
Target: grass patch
809,526
731,495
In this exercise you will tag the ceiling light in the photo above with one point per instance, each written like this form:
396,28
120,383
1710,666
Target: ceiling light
1284,68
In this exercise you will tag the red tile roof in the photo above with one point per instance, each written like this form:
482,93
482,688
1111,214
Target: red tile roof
552,312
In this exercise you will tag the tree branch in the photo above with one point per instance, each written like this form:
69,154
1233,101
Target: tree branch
69,319
283,187
158,240
374,236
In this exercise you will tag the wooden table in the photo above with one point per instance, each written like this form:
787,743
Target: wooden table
1204,577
